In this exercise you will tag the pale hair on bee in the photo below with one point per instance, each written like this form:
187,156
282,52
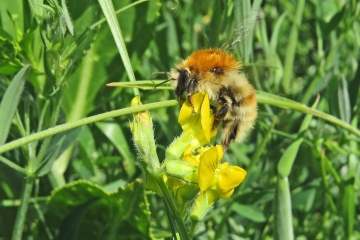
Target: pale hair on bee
217,72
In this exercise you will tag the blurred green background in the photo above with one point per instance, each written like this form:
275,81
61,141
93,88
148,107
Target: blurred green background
295,49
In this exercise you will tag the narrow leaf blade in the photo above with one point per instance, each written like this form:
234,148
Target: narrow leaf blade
10,101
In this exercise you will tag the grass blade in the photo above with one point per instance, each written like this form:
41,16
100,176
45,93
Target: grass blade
10,101
290,56
283,213
110,15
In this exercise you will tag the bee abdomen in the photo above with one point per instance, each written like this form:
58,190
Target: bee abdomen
230,130
239,125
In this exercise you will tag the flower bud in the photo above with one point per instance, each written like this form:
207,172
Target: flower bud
181,170
142,129
177,147
200,208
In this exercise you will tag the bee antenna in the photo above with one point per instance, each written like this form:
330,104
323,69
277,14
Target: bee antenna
159,73
168,80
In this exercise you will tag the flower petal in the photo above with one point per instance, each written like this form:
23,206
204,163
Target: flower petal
198,119
229,177
227,195
206,122
186,113
197,100
209,162
220,151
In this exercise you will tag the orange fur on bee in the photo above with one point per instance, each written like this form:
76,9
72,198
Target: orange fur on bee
205,60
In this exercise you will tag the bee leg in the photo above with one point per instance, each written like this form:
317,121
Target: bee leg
190,88
225,147
216,121
215,124
224,102
181,83
191,85
222,108
221,112
225,112
191,102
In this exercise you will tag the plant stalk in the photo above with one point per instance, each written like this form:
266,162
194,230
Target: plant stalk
21,214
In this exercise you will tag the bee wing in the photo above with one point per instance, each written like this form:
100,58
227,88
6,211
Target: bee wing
243,33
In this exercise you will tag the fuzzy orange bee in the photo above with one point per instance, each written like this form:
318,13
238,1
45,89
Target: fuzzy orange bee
219,74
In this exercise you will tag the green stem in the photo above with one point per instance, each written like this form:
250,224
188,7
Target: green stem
283,219
20,218
17,202
192,229
82,122
183,208
54,117
169,216
13,165
268,98
172,206
261,97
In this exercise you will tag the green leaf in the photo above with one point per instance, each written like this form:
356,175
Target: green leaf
114,132
344,101
67,18
354,88
305,199
283,214
70,224
275,35
339,99
110,15
250,212
12,18
87,145
123,214
349,208
10,102
349,191
327,27
134,209
287,159
287,82
58,145
102,64
242,9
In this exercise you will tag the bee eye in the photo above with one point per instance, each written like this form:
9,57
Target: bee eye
217,71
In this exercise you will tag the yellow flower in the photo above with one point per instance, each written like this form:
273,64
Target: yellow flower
194,170
218,180
198,119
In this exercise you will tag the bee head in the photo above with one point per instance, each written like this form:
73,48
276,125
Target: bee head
202,66
212,61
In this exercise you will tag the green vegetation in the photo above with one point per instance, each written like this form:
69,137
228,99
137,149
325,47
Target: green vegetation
68,165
